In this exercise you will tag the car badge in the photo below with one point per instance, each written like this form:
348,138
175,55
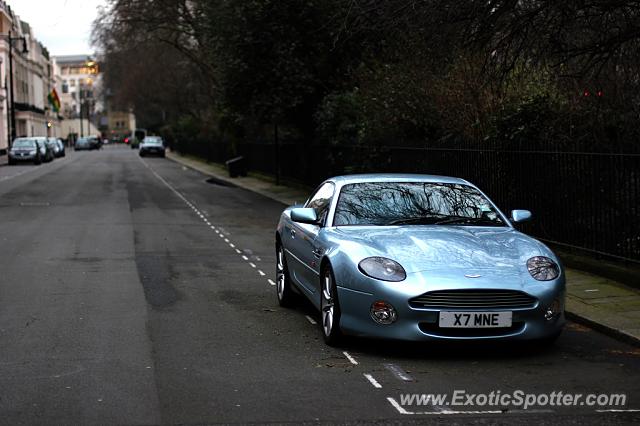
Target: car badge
472,275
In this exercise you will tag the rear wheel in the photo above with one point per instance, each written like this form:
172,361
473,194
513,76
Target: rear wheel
286,296
330,308
37,161
11,162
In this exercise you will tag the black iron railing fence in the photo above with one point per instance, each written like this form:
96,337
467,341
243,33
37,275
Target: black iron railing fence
587,200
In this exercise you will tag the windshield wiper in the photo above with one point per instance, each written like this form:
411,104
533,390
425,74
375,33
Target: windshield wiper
458,220
424,220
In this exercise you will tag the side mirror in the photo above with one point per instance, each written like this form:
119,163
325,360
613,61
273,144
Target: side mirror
520,215
304,215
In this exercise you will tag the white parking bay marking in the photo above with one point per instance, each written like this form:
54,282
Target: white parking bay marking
271,282
402,410
351,359
373,381
398,372
253,265
262,274
398,407
311,320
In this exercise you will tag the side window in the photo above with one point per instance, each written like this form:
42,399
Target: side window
321,200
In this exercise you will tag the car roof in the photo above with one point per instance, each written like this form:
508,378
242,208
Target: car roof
395,177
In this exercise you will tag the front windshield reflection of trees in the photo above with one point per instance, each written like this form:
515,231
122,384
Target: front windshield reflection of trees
419,203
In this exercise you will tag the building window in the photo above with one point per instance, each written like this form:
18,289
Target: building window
65,88
72,82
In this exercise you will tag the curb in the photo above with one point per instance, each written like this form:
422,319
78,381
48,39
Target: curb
575,317
604,329
231,181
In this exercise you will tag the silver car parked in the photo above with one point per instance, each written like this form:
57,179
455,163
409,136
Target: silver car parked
417,257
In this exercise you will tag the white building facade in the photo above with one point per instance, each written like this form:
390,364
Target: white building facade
78,87
34,78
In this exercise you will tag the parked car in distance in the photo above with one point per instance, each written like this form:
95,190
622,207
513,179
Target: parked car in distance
57,146
25,149
95,142
63,149
46,146
417,257
152,145
83,144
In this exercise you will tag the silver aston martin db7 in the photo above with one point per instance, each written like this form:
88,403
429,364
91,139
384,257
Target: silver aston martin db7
417,257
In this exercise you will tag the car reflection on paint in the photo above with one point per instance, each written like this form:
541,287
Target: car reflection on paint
417,257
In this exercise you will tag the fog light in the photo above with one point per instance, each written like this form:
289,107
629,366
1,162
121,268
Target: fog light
383,313
552,311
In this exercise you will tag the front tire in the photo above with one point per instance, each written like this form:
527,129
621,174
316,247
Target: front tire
330,308
284,290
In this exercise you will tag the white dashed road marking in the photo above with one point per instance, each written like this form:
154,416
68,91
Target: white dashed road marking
351,359
373,381
398,372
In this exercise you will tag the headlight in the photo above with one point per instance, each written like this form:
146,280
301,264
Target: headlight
542,268
382,268
32,152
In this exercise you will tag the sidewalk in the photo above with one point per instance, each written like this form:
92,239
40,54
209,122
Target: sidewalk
598,302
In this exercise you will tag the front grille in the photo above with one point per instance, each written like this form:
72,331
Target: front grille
474,299
435,330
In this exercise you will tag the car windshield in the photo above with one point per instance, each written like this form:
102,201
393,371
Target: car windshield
24,143
414,203
152,141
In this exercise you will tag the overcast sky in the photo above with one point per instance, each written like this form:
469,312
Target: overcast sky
63,26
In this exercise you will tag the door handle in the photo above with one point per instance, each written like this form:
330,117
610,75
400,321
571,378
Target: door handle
293,233
317,253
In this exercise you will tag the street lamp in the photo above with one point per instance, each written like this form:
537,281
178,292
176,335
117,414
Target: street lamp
12,109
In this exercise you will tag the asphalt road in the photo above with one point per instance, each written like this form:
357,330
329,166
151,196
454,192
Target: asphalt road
134,292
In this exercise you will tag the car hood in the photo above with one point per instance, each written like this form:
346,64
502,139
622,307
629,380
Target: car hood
429,248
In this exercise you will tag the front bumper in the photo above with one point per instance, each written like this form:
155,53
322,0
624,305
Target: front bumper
152,151
22,157
420,324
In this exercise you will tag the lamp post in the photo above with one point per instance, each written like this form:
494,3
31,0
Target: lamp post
12,107
81,103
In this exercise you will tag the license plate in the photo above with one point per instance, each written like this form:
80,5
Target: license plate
475,319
